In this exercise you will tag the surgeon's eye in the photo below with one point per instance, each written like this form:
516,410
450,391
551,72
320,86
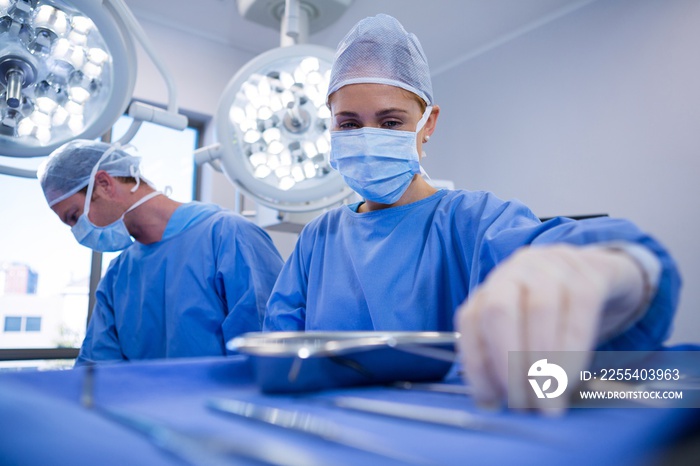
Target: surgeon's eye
348,125
392,124
71,219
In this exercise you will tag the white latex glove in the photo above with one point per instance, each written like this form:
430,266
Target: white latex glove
545,298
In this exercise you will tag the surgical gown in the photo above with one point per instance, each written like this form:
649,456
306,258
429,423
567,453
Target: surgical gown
410,267
205,282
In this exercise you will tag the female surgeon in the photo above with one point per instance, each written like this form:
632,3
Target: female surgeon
410,257
196,276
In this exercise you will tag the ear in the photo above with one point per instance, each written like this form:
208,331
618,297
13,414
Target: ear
430,124
104,184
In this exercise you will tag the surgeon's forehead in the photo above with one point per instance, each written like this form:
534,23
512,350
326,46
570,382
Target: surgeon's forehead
359,97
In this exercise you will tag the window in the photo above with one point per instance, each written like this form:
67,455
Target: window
32,324
44,272
13,324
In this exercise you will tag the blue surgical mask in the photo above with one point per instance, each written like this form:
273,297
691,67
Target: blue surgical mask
115,236
378,164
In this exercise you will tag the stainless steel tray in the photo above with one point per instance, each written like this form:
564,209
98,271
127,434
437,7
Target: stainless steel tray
305,361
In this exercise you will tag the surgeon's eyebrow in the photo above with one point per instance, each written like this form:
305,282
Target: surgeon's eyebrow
380,113
346,114
389,111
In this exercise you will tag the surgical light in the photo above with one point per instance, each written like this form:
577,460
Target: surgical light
273,125
67,70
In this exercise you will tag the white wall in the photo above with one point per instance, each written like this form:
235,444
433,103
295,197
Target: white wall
596,112
201,68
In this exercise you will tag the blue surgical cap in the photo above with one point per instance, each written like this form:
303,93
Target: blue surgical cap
379,50
67,170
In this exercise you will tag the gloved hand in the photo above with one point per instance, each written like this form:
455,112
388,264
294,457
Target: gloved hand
544,298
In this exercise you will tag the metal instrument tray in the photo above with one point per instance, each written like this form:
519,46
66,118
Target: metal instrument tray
286,362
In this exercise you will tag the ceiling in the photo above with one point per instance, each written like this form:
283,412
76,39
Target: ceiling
451,31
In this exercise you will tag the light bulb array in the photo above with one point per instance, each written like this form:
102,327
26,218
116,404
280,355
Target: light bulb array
281,122
54,68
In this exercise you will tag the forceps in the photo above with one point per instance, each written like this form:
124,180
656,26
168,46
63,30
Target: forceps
437,416
309,424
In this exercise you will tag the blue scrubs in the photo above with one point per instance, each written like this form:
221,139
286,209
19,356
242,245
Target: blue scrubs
410,267
206,281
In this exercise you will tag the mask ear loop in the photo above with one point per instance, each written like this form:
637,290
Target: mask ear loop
419,126
424,118
91,183
135,173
